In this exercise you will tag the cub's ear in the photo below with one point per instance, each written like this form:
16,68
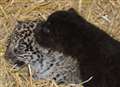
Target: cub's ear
18,25
72,11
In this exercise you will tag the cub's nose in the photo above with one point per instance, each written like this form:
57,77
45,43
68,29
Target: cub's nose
9,55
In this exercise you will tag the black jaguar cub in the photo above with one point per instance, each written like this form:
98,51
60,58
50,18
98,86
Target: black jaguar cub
68,49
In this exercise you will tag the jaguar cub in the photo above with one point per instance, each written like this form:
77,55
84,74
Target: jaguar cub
68,49
23,48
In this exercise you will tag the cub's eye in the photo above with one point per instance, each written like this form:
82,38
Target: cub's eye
46,30
21,46
19,49
46,27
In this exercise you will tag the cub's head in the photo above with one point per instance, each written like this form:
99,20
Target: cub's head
21,43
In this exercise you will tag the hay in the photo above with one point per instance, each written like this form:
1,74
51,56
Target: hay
103,13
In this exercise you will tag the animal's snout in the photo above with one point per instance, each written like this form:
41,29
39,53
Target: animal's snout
12,58
9,55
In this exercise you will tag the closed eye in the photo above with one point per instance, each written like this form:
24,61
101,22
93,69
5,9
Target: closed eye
21,46
46,30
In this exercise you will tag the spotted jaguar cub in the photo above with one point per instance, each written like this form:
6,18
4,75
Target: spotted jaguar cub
21,43
68,49
46,63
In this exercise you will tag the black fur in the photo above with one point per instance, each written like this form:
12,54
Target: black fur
98,53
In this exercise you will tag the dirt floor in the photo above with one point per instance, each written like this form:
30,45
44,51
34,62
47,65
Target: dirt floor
103,13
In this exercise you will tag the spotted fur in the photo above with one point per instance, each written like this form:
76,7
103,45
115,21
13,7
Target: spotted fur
68,49
46,63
